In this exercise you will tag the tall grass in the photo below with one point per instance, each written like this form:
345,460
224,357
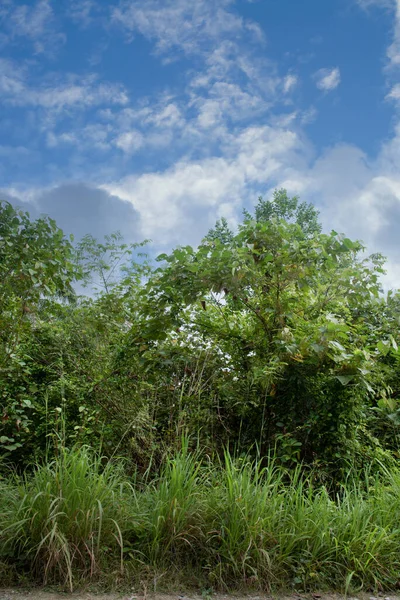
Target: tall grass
239,532
235,524
64,522
171,506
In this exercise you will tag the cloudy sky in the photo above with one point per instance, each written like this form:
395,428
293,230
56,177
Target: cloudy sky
156,117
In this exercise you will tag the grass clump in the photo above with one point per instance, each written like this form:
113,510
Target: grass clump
172,505
239,536
65,522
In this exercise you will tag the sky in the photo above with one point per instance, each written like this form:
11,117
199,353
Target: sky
157,117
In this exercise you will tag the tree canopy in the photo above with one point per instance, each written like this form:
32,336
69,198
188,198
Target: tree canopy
275,335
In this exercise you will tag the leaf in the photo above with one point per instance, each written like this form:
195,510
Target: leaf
383,348
4,439
344,379
395,417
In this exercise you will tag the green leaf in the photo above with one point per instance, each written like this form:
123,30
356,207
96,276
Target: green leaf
383,348
345,379
4,439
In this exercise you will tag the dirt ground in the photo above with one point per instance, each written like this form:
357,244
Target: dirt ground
37,594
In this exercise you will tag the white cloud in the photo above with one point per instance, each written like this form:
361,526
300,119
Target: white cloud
381,3
81,11
289,83
394,93
182,24
179,204
393,52
167,114
210,97
151,126
34,22
213,98
94,136
235,86
56,92
327,79
227,101
130,141
356,196
394,49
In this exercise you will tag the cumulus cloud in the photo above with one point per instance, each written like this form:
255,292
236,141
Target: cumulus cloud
355,196
327,79
179,204
80,209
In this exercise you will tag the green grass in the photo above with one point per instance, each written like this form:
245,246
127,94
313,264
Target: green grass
63,523
172,510
223,526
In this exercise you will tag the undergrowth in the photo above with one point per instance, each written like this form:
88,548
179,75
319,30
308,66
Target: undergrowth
223,526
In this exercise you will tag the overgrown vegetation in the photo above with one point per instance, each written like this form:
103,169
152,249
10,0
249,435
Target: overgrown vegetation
186,377
220,527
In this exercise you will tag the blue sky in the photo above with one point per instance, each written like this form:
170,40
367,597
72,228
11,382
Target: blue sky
156,117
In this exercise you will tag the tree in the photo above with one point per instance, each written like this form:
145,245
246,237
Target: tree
274,334
275,302
35,263
106,264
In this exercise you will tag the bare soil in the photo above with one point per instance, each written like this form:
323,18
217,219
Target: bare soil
40,594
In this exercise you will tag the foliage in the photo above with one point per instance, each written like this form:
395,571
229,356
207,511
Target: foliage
221,526
274,306
63,522
275,336
36,261
103,264
229,416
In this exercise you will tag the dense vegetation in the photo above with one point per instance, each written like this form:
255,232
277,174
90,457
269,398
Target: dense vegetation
229,413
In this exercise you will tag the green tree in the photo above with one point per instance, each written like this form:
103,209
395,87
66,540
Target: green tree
36,261
275,302
107,264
